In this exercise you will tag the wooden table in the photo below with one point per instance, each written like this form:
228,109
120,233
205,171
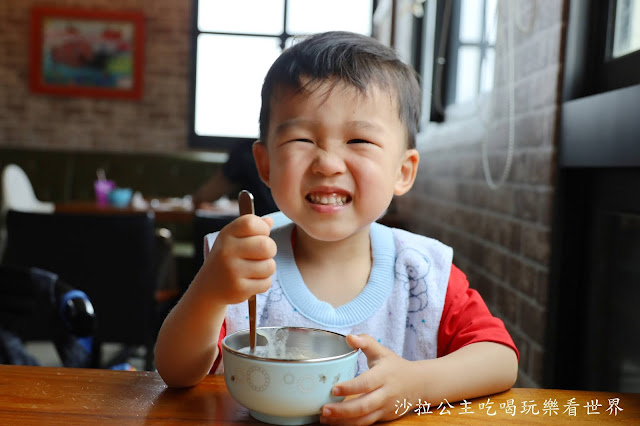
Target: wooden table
44,395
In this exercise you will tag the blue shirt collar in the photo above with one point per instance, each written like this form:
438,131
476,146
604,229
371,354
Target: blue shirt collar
372,297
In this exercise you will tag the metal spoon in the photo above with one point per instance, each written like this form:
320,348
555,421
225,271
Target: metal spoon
245,202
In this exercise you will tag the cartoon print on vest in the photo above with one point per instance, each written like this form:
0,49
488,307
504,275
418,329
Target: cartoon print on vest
274,294
412,269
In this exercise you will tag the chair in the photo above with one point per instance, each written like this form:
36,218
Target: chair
112,258
37,305
17,192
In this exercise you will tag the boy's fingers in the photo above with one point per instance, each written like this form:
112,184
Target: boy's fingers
258,269
364,383
369,405
370,346
257,247
268,221
249,225
257,285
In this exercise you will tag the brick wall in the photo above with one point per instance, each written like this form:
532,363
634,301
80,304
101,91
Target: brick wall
156,123
501,238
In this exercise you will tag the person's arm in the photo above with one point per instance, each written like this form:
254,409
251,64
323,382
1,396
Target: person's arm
476,356
239,265
474,370
187,344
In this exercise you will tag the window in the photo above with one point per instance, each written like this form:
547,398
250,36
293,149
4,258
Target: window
460,41
626,28
601,85
235,43
619,61
471,49
603,47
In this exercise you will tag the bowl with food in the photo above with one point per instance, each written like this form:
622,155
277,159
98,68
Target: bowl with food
288,376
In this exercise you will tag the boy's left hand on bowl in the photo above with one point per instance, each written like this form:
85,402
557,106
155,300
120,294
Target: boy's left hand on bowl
379,388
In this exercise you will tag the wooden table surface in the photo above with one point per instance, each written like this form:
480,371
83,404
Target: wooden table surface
45,395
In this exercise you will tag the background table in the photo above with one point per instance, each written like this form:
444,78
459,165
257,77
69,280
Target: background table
165,210
43,395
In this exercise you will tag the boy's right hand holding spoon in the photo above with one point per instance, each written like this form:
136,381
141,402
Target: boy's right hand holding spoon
242,259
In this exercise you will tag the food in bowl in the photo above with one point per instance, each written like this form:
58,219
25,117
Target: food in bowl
287,381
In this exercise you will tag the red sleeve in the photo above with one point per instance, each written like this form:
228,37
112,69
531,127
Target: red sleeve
223,334
466,318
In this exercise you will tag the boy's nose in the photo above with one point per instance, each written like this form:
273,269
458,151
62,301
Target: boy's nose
327,163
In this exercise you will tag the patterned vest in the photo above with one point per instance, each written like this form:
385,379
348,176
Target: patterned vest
400,306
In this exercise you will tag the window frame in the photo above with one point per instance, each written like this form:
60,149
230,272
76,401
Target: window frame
223,143
213,142
588,67
454,44
594,103
430,69
444,69
618,72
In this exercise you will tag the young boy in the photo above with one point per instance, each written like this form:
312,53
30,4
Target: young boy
337,141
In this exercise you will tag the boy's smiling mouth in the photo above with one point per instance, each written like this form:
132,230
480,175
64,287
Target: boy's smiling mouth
328,199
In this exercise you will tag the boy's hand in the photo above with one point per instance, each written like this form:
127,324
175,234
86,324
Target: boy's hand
241,262
380,388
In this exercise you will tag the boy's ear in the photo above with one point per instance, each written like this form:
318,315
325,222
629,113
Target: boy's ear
407,172
261,156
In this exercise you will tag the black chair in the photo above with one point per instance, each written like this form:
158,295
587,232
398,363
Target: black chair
112,258
204,223
37,305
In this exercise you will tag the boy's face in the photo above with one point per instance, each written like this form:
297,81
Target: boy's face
334,160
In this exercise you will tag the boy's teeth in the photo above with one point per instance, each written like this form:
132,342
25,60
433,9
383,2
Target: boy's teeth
331,200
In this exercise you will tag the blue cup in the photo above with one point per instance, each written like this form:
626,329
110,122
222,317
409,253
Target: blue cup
120,197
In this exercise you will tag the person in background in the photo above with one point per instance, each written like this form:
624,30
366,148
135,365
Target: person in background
337,142
238,173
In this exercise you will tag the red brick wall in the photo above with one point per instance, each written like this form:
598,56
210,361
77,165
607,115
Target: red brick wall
501,238
156,123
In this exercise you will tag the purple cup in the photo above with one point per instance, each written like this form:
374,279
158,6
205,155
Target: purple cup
103,188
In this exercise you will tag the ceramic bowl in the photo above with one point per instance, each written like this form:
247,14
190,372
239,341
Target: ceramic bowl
287,381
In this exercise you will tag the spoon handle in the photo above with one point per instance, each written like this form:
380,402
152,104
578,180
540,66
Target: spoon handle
252,322
245,202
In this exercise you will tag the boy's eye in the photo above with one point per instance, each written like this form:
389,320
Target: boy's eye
358,141
302,140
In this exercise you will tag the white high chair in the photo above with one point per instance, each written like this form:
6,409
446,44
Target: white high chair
17,193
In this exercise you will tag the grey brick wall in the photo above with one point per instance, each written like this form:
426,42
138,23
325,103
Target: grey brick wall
501,238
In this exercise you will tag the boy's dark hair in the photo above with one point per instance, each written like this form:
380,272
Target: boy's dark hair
354,59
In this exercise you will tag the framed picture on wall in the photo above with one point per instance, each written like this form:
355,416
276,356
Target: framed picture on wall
80,52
